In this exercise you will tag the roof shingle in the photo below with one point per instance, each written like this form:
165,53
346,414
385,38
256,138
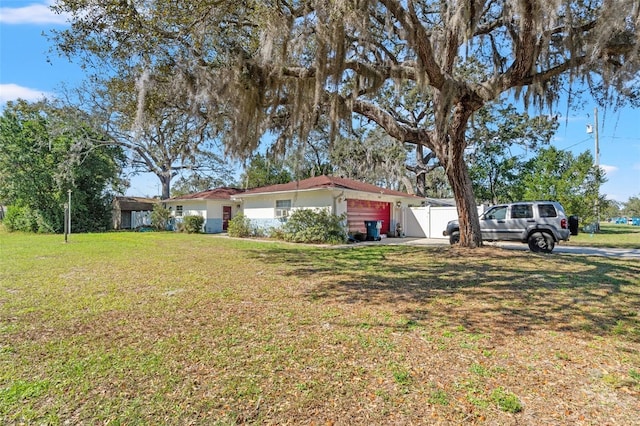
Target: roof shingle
224,193
328,182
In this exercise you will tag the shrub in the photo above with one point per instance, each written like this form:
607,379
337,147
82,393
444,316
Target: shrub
239,226
193,224
20,218
276,233
314,226
160,217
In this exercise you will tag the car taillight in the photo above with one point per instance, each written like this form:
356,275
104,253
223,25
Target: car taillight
563,223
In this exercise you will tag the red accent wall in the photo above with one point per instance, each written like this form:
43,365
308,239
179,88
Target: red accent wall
360,210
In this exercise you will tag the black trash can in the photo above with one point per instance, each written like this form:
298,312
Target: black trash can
573,225
373,229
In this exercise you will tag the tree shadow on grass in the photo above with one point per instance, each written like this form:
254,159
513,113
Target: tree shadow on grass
484,290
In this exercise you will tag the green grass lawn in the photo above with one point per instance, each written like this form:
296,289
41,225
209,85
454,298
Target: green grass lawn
165,328
610,235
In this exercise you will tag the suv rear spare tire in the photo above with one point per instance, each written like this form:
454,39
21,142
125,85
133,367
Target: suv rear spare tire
541,242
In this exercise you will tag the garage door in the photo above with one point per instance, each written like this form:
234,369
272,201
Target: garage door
360,210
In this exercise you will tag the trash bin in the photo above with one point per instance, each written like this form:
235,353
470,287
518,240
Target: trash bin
373,229
573,225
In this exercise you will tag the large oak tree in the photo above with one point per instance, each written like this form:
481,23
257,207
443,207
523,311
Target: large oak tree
162,130
278,65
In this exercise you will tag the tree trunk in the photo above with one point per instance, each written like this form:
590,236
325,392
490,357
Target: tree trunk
165,180
421,176
460,181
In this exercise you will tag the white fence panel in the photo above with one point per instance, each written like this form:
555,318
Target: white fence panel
429,222
439,218
416,222
140,219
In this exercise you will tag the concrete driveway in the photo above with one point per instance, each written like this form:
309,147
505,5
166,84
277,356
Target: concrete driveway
586,251
559,249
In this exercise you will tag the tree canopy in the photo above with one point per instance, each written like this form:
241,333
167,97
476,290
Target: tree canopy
162,130
264,170
561,176
279,65
501,141
632,207
40,161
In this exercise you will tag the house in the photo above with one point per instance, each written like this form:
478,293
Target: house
131,212
269,206
215,205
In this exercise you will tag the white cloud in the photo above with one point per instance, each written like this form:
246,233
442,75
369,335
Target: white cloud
35,13
11,92
608,169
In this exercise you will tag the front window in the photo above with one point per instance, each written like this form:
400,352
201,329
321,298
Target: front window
496,213
178,211
283,207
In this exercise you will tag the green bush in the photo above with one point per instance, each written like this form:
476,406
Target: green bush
239,226
160,217
314,226
24,219
193,224
17,219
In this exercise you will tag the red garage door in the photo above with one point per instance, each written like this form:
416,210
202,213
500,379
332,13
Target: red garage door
360,210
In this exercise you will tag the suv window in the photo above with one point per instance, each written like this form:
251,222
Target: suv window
521,211
498,213
547,210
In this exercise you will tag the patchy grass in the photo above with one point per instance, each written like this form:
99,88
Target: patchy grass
144,328
610,235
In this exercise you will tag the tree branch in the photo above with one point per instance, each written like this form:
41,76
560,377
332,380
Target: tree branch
418,37
389,123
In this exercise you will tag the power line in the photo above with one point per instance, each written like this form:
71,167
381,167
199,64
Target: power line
576,144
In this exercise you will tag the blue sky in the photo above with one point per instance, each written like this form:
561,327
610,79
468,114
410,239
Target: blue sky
29,71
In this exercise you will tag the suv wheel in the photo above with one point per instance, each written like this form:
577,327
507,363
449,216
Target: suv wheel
541,242
454,238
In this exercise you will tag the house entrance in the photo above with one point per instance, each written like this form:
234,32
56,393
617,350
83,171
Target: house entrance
226,217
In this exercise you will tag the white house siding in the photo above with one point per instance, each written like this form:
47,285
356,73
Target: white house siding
210,210
189,208
213,220
260,209
194,209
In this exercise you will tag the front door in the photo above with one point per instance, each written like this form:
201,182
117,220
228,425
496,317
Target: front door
226,217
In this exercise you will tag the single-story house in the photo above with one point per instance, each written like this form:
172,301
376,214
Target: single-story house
214,205
131,212
269,206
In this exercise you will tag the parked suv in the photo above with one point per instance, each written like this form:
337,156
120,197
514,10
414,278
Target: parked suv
539,223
